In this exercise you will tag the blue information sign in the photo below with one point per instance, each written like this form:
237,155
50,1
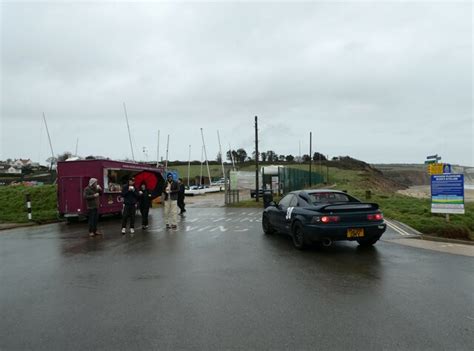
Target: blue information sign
446,168
447,193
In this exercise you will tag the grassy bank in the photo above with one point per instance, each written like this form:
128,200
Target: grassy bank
13,205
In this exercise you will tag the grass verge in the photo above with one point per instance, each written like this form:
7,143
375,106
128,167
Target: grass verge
13,204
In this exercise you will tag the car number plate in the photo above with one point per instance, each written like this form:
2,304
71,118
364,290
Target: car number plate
355,232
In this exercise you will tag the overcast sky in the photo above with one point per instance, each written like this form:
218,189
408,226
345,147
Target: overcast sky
384,82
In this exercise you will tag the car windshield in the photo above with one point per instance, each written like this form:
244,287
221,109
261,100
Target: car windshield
329,197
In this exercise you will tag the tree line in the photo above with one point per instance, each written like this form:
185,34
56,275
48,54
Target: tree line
241,156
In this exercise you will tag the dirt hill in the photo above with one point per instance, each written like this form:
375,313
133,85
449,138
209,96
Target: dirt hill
369,176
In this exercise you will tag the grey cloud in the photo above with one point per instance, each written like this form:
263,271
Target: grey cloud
357,74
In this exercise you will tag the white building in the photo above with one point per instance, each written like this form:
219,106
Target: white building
13,170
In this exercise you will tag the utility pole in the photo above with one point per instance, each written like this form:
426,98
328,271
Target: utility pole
167,149
320,166
158,150
256,160
310,155
299,150
189,163
327,169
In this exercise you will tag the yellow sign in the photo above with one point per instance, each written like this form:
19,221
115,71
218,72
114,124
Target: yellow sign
435,168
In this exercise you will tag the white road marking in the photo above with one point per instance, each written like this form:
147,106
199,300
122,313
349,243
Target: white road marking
221,228
397,229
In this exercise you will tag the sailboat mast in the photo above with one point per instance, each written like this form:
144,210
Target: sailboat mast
205,154
128,128
222,156
202,161
49,138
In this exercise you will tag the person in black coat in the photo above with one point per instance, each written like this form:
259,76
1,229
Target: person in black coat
130,198
144,204
181,190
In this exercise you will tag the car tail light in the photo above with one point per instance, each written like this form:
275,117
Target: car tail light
375,217
325,219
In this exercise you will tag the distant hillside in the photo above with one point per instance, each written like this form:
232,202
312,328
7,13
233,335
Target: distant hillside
416,174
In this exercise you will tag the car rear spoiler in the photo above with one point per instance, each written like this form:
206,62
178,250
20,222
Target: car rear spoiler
349,207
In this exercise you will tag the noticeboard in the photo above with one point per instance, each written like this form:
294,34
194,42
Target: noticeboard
447,193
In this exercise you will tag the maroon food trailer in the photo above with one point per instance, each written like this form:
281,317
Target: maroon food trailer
73,177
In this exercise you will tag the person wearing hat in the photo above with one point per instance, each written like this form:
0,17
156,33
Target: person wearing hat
91,194
171,189
130,198
144,204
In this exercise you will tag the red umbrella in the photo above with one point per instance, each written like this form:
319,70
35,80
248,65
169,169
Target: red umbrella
150,179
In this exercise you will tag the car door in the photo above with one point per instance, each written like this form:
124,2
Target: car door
284,208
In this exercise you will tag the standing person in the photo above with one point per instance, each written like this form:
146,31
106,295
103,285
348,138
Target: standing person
144,204
130,198
181,203
171,195
91,194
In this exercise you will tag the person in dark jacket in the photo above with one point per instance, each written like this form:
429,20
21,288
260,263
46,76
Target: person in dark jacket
130,198
91,194
171,195
144,204
181,203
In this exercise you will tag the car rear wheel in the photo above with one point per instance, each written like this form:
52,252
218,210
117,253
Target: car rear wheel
367,242
298,236
266,226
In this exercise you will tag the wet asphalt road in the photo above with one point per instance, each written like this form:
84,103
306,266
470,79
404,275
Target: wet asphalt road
219,283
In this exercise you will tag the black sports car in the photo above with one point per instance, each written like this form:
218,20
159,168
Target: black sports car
323,216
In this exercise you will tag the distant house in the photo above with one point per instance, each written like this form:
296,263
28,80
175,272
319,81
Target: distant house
4,167
20,163
13,170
